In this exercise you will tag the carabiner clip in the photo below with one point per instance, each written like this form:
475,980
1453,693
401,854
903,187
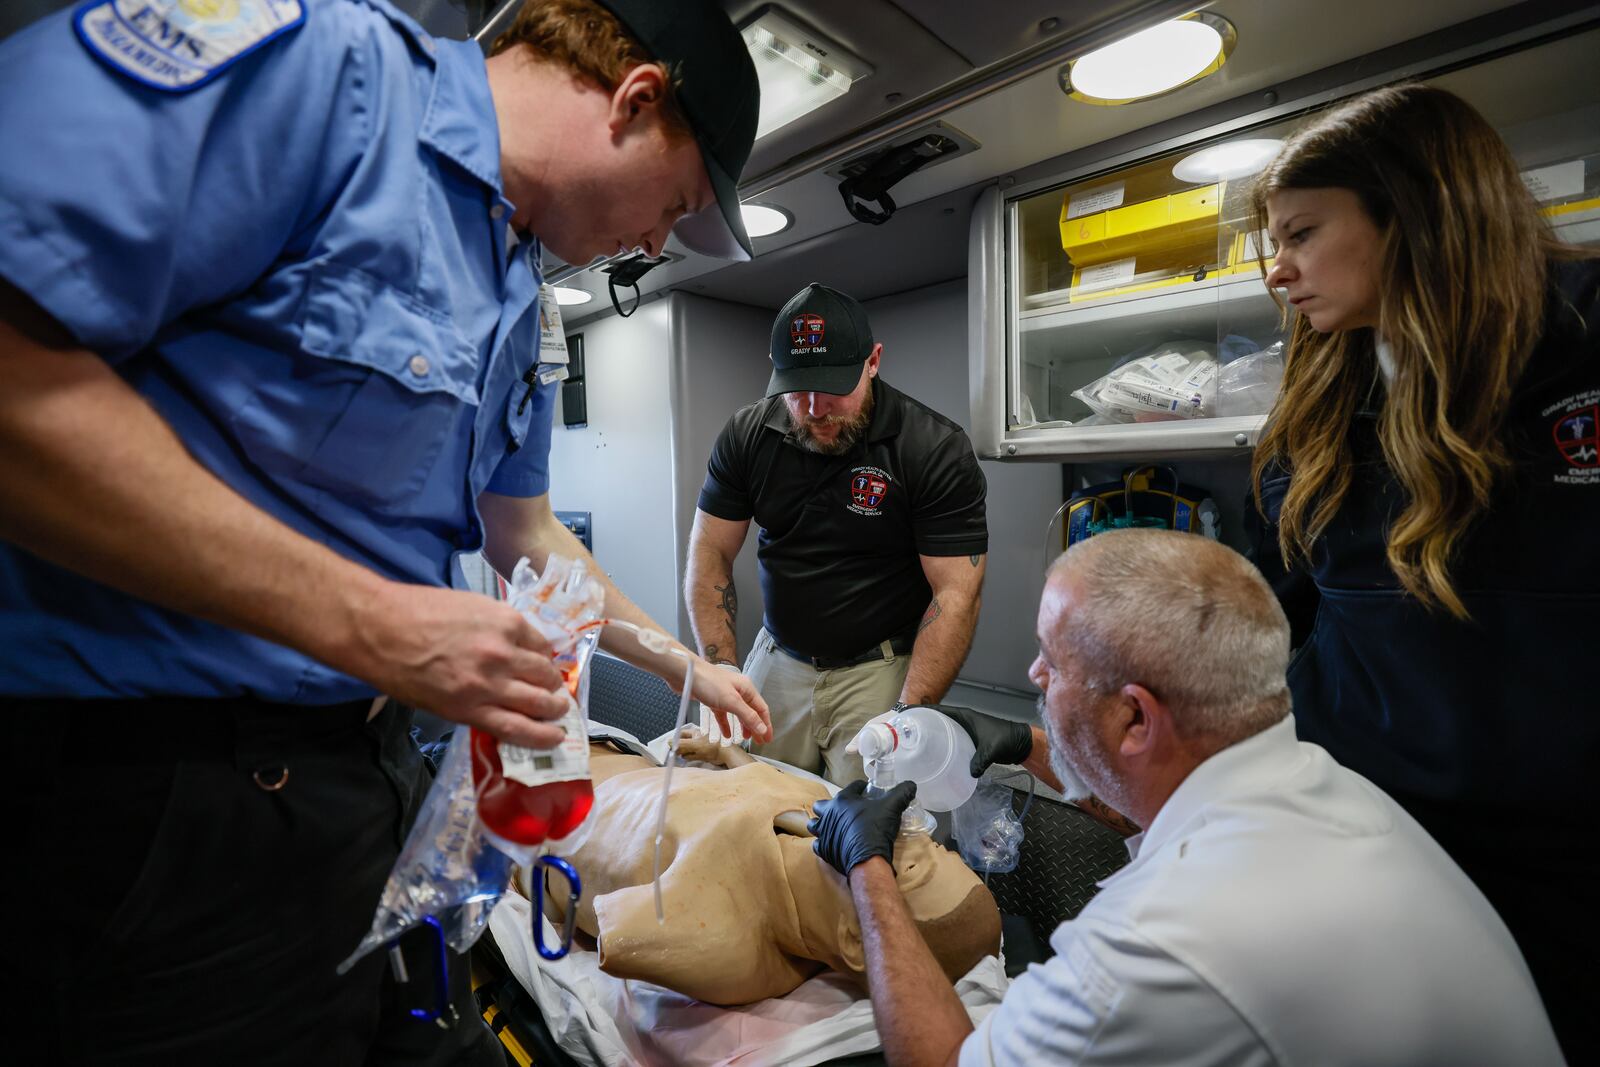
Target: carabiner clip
444,1013
575,893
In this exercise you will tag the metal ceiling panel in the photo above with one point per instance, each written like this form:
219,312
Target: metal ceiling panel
1029,127
991,32
906,58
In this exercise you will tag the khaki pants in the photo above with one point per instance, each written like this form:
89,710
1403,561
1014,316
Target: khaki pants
815,714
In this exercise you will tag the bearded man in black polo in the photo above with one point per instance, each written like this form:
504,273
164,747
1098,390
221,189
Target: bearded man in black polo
872,541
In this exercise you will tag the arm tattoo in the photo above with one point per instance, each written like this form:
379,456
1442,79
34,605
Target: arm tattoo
730,602
974,560
928,616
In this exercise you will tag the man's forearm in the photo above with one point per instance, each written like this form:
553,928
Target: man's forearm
943,639
551,538
713,604
920,1019
97,482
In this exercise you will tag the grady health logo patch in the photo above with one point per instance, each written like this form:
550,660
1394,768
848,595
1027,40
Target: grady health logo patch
1575,432
869,486
176,45
1577,436
805,333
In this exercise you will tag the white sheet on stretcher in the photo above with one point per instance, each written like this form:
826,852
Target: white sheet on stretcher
601,1020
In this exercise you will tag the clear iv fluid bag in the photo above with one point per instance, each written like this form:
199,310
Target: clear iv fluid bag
928,748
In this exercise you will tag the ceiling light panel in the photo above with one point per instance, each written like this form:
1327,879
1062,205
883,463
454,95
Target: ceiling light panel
799,69
1158,60
764,220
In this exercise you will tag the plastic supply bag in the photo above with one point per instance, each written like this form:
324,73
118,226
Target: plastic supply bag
1168,383
452,868
447,869
988,831
1249,385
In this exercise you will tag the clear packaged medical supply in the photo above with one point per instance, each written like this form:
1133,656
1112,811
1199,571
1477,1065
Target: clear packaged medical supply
987,830
1249,385
448,869
1169,383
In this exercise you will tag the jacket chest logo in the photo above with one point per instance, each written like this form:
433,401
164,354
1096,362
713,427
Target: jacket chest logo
1578,437
869,487
1576,431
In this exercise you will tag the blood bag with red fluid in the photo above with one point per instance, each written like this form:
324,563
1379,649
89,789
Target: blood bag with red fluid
529,796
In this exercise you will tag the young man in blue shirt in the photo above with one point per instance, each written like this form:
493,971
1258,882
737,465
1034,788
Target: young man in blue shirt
268,288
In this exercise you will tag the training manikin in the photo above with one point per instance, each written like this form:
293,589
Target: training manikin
750,911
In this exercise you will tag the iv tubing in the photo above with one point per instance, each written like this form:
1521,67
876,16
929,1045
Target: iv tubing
656,641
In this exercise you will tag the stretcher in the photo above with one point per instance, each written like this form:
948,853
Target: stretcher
570,1012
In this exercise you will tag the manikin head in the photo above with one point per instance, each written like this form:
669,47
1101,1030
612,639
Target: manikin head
955,913
823,364
1156,650
618,118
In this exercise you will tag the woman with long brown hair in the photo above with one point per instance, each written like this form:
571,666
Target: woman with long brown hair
1429,483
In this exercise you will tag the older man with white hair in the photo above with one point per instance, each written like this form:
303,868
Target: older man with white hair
1278,909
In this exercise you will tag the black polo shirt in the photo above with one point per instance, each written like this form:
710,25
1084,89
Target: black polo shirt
840,535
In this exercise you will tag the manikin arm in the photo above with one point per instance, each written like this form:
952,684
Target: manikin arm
526,526
945,634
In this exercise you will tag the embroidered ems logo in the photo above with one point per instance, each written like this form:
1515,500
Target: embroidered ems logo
1577,435
177,45
805,331
868,488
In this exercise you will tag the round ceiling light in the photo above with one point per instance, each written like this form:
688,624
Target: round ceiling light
566,294
764,220
1230,159
1151,62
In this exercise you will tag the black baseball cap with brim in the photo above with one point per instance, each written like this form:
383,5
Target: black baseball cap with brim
718,91
819,341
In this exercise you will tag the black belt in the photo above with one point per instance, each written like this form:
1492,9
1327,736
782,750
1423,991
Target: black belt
165,729
899,645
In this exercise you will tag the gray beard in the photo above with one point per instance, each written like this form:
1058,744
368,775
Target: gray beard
1081,767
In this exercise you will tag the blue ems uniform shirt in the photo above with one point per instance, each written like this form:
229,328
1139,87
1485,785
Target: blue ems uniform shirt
840,536
302,265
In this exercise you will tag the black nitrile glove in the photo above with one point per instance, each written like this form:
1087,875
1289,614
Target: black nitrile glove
994,740
853,827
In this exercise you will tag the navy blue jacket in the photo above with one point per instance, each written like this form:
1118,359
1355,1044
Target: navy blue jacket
1487,730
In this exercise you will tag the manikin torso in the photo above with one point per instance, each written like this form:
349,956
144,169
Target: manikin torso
750,911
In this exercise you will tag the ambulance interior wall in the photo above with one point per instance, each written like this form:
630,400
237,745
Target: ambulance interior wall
642,458
719,364
619,467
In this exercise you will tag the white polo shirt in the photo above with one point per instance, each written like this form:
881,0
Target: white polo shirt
1279,910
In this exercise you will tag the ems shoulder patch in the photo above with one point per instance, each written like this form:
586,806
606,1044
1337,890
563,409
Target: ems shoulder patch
177,45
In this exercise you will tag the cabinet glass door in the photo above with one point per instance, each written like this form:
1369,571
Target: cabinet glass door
1138,291
1136,318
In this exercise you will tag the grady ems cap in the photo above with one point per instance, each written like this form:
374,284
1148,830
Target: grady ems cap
819,341
719,93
